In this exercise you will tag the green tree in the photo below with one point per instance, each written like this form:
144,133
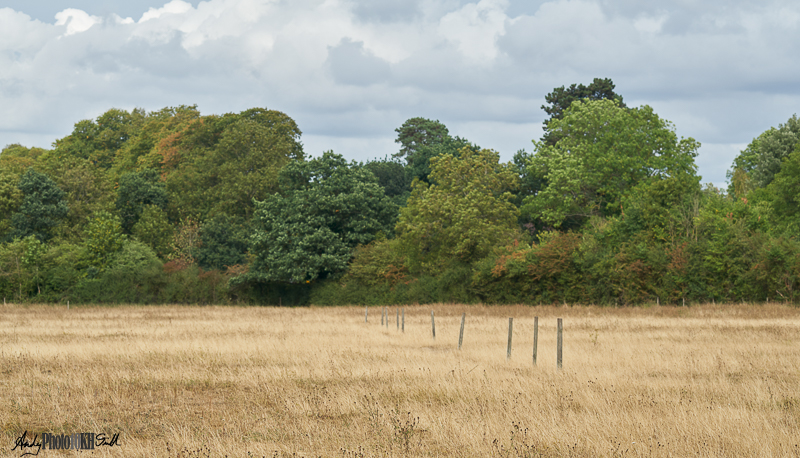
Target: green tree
562,98
98,141
10,200
154,230
103,237
223,242
42,209
32,260
461,216
761,160
603,152
136,191
783,196
418,132
220,164
391,176
325,208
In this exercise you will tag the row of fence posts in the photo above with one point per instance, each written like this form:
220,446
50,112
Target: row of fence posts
401,326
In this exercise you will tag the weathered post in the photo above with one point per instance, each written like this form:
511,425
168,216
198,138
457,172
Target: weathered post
383,312
560,341
461,333
510,327
433,326
397,319
535,337
366,312
403,329
387,318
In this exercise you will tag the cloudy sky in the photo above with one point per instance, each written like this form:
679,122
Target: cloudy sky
351,71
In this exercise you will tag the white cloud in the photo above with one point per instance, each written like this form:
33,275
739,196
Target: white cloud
175,7
77,21
475,27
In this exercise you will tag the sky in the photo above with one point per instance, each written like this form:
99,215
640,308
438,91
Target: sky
351,71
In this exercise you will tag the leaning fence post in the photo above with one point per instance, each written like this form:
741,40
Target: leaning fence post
387,318
397,319
560,340
510,327
535,337
403,329
383,312
433,326
461,333
366,312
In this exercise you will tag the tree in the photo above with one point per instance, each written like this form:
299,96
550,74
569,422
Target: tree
43,207
223,242
461,216
153,229
783,195
325,208
418,132
220,164
98,141
136,191
391,175
562,98
603,151
419,165
103,238
10,200
761,160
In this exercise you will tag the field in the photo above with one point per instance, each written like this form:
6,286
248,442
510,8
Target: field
184,381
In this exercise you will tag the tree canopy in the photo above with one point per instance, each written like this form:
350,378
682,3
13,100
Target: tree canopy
325,207
603,152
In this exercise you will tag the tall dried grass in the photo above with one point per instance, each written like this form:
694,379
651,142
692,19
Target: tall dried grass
231,381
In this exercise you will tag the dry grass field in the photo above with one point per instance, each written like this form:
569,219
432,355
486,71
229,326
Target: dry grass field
183,381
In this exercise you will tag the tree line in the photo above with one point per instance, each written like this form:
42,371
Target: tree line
607,207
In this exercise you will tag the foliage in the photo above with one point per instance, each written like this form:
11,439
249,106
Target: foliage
136,191
603,153
559,101
223,242
103,238
460,217
416,133
392,177
761,160
133,275
42,209
326,207
154,230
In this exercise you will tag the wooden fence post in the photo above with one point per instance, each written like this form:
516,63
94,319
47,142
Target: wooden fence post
433,326
560,341
510,328
461,333
397,319
383,312
535,337
403,329
366,312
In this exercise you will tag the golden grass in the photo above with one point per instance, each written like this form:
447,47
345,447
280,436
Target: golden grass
232,381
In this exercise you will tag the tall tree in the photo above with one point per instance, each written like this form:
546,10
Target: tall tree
761,160
325,208
461,216
418,132
603,151
43,207
562,98
136,191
